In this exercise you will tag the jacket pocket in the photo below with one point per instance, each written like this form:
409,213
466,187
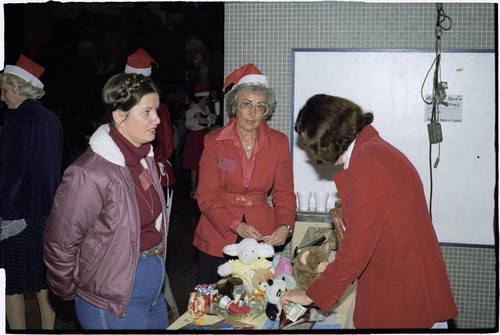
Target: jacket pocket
88,255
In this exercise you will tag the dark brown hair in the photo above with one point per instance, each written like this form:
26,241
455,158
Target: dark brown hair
124,90
328,125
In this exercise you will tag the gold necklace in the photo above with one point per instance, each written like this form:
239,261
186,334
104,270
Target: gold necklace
150,196
246,146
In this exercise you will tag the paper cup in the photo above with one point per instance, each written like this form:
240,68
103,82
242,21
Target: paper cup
320,198
304,200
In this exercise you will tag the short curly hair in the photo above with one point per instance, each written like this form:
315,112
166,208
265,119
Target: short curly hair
233,95
21,86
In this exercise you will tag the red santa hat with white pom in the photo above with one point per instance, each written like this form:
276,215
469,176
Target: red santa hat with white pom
245,74
200,91
140,62
26,69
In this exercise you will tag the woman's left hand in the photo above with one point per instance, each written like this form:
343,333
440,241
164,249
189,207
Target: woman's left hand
278,237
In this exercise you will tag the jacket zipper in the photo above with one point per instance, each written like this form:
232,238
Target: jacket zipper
136,256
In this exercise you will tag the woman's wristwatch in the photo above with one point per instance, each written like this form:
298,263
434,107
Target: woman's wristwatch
288,228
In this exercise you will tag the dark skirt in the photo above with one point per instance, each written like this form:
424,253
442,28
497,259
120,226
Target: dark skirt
193,147
22,258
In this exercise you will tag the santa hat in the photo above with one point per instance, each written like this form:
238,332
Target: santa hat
26,69
200,90
139,62
245,74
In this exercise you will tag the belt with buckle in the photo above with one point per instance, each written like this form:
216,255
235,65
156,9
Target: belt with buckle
155,252
245,200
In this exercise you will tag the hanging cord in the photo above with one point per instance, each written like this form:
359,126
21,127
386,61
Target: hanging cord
443,22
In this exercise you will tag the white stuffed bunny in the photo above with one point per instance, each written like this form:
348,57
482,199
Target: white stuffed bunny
251,256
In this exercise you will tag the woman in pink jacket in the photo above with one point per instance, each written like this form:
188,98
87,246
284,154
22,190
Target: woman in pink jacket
106,236
242,163
389,245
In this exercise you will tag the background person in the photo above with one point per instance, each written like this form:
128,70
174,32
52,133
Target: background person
241,164
390,246
31,148
106,236
199,119
215,105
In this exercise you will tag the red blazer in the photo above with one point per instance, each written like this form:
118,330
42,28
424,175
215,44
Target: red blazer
225,172
390,245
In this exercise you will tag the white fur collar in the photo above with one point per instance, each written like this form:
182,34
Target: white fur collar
103,145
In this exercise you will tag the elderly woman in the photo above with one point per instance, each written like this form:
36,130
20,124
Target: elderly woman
242,163
389,245
31,147
106,235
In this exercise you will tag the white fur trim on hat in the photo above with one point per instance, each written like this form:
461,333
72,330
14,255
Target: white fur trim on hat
145,71
201,94
23,74
253,78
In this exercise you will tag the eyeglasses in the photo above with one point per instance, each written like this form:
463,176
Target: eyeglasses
245,106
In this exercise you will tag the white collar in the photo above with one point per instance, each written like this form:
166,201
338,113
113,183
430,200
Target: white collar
103,145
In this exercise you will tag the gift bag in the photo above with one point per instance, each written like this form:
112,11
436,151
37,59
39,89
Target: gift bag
338,223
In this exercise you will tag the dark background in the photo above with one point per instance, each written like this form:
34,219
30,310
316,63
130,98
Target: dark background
82,44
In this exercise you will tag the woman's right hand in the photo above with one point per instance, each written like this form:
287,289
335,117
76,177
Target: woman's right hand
297,296
245,230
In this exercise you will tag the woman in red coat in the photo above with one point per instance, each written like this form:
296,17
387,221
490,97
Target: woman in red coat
390,246
242,163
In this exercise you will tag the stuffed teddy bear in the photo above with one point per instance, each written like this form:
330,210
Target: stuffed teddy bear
309,264
251,256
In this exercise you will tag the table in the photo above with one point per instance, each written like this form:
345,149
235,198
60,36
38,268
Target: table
307,224
341,318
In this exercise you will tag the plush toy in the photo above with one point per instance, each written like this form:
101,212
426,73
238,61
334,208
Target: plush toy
251,256
283,269
275,288
260,278
309,264
226,285
282,265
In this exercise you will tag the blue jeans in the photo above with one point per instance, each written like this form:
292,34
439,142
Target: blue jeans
147,308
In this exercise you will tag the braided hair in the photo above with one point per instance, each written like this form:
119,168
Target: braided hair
124,90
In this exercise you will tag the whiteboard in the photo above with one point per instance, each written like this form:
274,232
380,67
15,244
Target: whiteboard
388,83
